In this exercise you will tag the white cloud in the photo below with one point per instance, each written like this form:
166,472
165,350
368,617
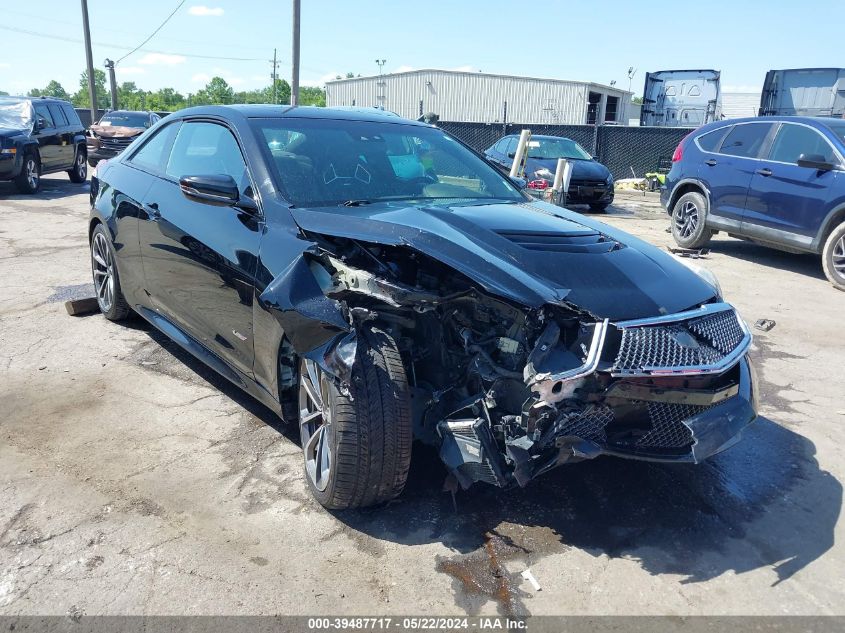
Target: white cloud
404,69
319,82
462,69
129,70
741,88
5,65
161,59
201,9
201,78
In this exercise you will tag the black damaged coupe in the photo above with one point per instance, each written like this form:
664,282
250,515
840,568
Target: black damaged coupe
375,281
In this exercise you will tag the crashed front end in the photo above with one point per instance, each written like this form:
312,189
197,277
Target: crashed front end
508,392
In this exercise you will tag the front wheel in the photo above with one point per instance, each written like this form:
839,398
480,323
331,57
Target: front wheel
357,449
29,180
79,172
689,221
833,257
599,207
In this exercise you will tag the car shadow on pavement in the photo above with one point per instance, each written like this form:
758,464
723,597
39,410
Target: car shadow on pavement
52,188
803,263
763,503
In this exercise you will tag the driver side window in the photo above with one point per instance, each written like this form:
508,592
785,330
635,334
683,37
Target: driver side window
207,149
43,115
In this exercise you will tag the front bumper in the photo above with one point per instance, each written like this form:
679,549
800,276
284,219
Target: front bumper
96,154
589,194
10,165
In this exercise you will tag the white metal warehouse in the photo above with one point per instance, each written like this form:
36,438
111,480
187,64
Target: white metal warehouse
483,98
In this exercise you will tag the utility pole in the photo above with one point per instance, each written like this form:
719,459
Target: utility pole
110,65
294,58
631,72
92,90
381,96
273,75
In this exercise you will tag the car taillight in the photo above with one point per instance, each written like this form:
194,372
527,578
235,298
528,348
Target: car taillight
538,184
679,150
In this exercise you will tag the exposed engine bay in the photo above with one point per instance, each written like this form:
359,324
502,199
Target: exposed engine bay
508,392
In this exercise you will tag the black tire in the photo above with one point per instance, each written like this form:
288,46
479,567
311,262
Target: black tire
112,303
689,221
833,257
29,180
600,207
79,172
370,434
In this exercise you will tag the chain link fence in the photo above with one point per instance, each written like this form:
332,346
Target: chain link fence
621,149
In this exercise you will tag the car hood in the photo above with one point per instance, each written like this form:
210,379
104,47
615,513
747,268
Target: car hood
6,132
116,131
581,169
531,252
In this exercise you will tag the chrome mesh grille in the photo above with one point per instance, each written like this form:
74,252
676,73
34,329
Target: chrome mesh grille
697,342
667,427
588,424
117,144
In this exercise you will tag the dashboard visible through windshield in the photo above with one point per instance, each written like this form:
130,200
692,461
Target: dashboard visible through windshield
320,162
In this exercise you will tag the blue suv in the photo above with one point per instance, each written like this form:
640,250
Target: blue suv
778,181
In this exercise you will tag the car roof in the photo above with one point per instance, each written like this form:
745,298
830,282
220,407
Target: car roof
127,112
265,111
811,120
11,99
543,137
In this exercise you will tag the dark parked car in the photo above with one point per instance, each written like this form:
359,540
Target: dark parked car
115,131
591,182
372,280
778,181
39,135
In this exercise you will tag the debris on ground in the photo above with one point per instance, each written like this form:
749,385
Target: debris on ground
78,307
530,578
764,324
692,253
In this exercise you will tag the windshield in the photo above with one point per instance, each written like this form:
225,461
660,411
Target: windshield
838,128
126,119
15,115
321,162
556,148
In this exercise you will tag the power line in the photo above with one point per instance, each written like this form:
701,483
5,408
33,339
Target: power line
152,35
126,48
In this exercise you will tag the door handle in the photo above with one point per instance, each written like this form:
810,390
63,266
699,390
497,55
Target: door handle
152,210
710,162
765,172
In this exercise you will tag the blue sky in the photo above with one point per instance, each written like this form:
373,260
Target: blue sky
591,41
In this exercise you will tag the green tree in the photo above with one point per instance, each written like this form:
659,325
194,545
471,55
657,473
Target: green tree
80,98
637,100
309,95
165,100
53,89
216,92
3,93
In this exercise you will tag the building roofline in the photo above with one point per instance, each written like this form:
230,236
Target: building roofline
476,74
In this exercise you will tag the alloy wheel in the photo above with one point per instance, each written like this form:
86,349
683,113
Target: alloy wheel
839,256
31,173
102,265
81,169
686,219
315,426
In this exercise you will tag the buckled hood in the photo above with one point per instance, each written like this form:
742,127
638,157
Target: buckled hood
532,252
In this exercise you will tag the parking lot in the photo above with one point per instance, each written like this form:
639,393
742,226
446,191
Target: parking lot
134,480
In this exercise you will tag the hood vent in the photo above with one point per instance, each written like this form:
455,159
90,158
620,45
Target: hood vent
569,242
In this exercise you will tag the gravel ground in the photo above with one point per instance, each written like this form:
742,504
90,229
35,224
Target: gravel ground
135,481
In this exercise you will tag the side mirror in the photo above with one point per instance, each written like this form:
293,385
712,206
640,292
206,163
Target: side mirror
40,123
215,189
521,183
815,161
511,154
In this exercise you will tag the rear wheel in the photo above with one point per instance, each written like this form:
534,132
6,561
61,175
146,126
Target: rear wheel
357,449
29,180
689,221
110,298
833,257
79,172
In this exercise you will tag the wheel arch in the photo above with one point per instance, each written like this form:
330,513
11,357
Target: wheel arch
687,185
831,221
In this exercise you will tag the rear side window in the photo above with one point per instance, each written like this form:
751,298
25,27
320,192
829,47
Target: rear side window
745,140
58,115
793,140
71,115
42,112
502,146
154,152
710,141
